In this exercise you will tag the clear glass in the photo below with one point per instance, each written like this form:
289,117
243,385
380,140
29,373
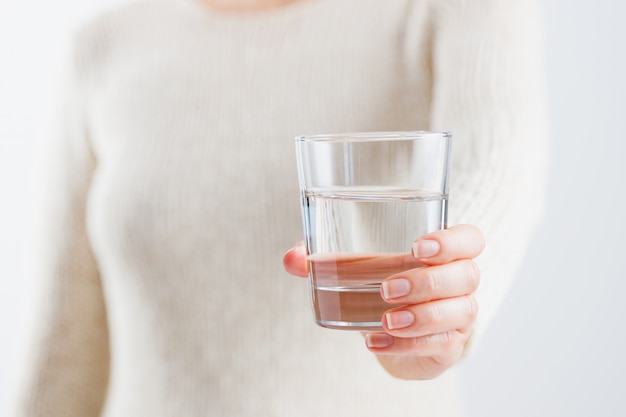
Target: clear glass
365,198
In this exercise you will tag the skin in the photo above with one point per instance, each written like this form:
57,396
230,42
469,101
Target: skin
428,334
243,6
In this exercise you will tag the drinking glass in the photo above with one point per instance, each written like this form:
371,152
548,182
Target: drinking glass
365,197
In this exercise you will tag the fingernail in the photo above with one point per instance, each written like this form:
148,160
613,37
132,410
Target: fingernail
395,288
378,340
399,319
425,248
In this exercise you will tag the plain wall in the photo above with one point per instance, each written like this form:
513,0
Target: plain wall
556,347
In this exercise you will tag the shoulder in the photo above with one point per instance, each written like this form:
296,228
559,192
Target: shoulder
483,8
96,39
468,21
445,13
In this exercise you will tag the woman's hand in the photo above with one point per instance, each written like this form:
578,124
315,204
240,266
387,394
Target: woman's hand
426,334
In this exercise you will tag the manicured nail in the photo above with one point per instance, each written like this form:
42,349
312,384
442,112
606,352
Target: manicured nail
399,319
395,288
425,248
378,340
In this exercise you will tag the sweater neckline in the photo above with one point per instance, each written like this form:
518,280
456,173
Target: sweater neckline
258,17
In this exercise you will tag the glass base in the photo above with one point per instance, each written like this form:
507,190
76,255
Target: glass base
346,325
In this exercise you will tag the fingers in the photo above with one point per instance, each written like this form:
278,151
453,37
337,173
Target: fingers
295,261
458,242
431,318
447,347
427,332
420,285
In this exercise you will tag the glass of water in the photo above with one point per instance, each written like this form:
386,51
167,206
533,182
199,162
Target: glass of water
365,198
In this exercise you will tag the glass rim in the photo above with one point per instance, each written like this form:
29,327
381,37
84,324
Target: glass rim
374,136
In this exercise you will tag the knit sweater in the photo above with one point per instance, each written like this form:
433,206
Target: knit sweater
172,194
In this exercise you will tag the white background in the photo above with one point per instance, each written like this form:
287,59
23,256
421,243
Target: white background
556,348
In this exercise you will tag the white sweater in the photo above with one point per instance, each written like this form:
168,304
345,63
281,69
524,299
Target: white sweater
172,196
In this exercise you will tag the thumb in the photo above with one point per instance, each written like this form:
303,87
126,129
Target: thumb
295,261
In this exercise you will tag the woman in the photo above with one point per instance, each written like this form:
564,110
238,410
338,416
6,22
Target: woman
173,194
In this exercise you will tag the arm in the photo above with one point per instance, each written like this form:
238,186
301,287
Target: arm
488,90
67,370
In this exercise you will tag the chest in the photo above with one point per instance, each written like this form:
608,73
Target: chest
197,135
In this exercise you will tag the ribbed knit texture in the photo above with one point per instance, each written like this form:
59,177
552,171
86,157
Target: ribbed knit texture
172,196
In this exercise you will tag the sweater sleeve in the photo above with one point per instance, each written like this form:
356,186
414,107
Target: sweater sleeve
489,92
66,372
